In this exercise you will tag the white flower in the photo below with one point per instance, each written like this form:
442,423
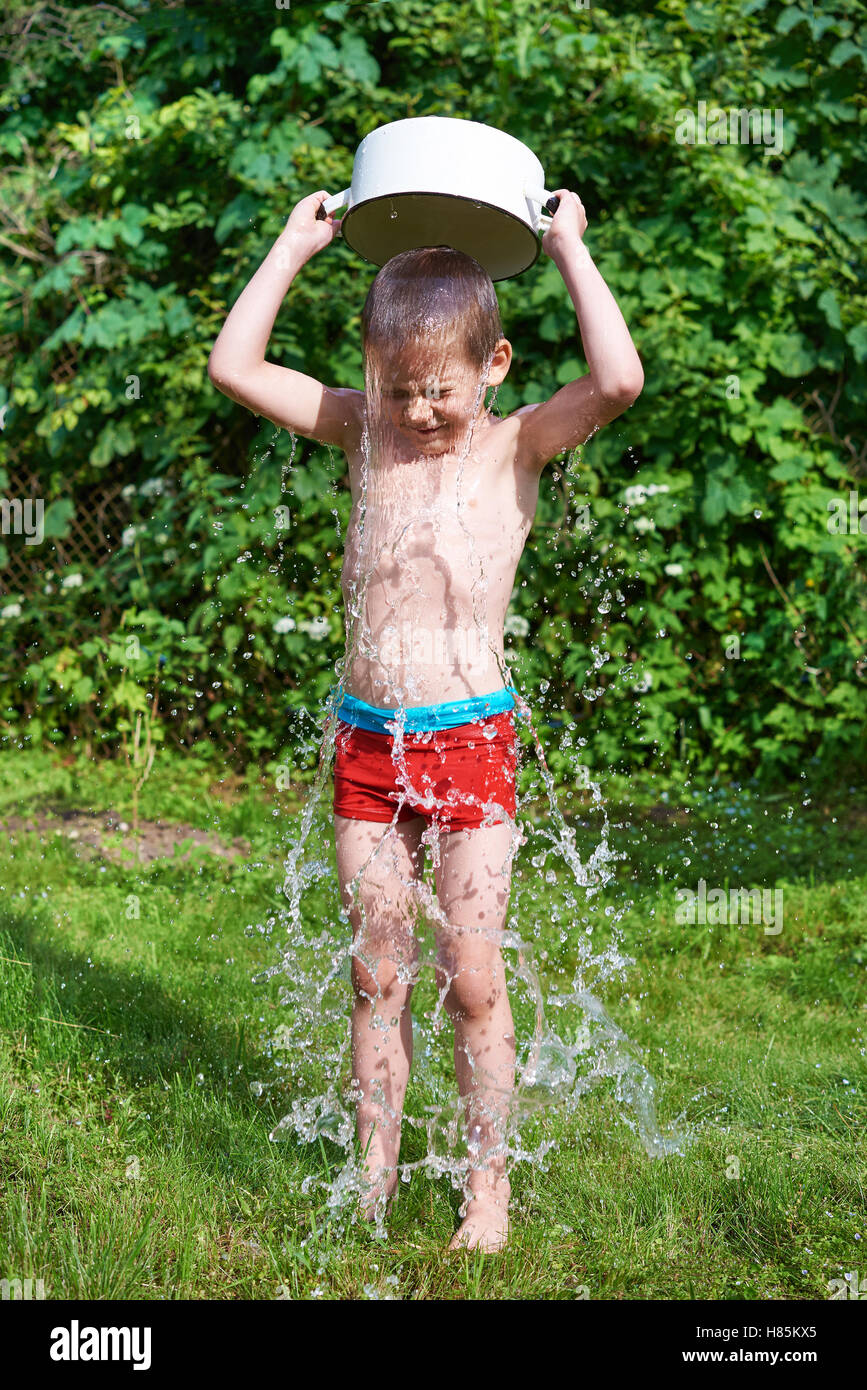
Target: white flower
170,556
317,628
644,523
510,654
152,488
128,491
49,589
644,684
674,569
515,625
12,610
72,581
129,535
161,538
284,625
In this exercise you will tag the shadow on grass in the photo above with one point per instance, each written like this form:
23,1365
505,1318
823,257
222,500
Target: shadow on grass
132,1031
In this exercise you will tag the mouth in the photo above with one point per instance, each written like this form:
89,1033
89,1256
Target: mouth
432,429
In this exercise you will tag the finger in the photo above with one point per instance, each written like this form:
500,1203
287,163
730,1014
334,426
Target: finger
320,214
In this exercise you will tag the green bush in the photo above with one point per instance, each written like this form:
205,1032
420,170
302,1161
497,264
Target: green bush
708,617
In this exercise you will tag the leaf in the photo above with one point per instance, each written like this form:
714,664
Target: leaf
124,439
857,340
178,319
789,469
58,280
713,508
57,517
789,18
356,60
739,496
568,370
843,51
314,54
239,213
792,355
103,451
551,327
129,695
827,302
83,233
132,221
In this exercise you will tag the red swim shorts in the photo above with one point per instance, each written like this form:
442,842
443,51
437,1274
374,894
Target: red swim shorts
459,768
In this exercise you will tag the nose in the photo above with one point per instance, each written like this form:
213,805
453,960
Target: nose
418,412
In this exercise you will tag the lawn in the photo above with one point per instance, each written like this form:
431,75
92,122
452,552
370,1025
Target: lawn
139,1086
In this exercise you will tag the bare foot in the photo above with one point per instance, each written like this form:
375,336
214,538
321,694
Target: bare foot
381,1183
486,1224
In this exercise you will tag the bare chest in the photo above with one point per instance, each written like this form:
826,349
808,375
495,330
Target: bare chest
436,533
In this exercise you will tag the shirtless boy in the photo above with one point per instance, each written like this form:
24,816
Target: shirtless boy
444,495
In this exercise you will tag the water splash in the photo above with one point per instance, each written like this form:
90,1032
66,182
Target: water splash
406,517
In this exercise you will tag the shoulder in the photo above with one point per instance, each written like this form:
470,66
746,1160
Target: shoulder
567,419
511,440
343,406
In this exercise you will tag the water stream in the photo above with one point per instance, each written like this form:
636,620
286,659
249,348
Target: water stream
562,941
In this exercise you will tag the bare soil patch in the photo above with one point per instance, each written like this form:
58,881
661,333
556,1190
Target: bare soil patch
106,834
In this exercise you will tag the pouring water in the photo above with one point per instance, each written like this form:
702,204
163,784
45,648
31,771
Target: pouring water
458,906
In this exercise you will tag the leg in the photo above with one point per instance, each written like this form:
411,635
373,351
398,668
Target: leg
376,863
472,884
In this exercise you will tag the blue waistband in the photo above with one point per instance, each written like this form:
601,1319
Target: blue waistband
422,718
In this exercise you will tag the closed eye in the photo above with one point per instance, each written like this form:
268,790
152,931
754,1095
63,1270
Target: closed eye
434,396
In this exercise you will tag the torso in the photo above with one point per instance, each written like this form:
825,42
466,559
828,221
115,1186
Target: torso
441,543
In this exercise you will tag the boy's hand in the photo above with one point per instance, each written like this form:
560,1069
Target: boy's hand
303,229
568,226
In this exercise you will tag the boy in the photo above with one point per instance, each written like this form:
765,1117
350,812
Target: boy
444,495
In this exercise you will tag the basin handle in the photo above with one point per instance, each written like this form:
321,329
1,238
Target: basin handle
548,202
337,200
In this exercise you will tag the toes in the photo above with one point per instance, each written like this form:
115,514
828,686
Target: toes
378,1196
488,1239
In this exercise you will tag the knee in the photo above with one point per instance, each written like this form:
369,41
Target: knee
385,983
475,990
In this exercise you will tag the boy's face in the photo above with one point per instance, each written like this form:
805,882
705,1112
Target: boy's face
431,396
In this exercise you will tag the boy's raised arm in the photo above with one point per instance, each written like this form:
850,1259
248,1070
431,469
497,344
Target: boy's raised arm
615,377
237,365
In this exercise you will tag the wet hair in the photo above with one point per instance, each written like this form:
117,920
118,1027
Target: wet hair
430,293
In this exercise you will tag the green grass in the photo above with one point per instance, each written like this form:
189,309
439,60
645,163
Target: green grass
135,1157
